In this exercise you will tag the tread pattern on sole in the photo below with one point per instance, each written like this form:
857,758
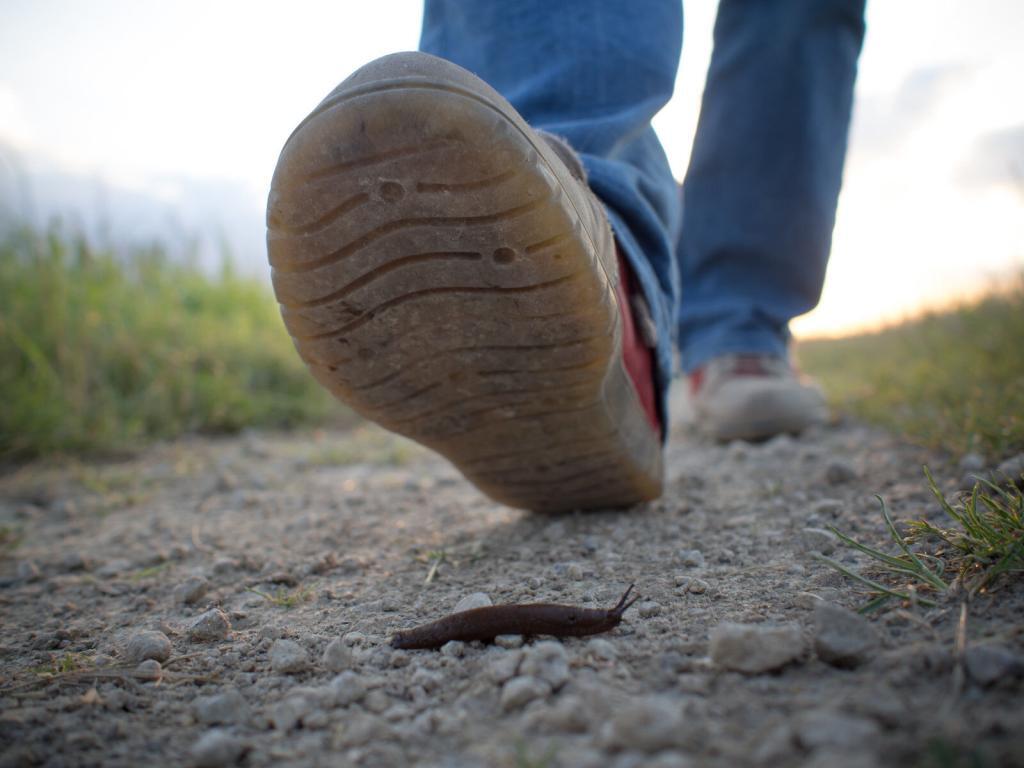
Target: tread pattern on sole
380,298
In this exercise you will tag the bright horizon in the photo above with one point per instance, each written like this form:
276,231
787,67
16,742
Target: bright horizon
188,105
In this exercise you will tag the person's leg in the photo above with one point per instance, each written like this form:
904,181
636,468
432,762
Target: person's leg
760,195
594,74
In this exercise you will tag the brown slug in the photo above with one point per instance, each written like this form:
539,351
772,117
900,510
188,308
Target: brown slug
527,619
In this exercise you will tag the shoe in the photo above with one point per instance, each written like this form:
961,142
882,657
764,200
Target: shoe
445,271
754,397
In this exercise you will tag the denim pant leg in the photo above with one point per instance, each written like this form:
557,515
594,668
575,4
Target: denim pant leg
594,73
760,195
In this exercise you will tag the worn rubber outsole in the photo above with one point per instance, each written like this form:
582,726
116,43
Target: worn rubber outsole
439,272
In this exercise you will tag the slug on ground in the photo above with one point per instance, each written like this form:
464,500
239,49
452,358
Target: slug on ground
519,619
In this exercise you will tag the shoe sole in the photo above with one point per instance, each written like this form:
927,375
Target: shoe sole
436,276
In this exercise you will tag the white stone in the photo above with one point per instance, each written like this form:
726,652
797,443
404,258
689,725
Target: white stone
817,540
288,657
547,661
841,637
217,748
286,715
987,664
337,656
504,665
222,708
150,669
649,724
148,644
818,729
348,687
209,626
648,609
519,691
191,590
601,648
691,558
471,601
454,649
755,648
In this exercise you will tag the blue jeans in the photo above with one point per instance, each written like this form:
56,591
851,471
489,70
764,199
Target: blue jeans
726,271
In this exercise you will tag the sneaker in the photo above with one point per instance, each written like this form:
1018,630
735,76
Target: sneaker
445,271
754,397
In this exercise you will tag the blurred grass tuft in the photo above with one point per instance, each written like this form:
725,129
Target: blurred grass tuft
952,380
103,351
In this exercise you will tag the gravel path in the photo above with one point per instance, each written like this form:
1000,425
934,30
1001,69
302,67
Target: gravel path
223,602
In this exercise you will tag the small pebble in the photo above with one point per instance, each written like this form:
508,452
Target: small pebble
827,508
817,540
509,641
971,462
113,568
427,679
28,571
692,558
316,720
224,566
574,572
75,561
577,756
353,638
347,688
217,748
821,728
286,715
337,656
1011,469
150,669
376,701
191,590
209,626
222,708
504,666
601,648
839,471
698,586
988,664
520,691
453,649
842,638
567,713
148,645
649,724
473,600
755,648
669,759
547,661
648,609
362,728
288,657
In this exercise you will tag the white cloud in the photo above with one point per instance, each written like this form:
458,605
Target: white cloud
996,159
15,128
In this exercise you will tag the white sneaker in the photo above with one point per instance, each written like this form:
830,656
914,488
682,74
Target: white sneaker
754,397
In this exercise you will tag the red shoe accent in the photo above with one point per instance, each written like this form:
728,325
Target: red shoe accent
636,355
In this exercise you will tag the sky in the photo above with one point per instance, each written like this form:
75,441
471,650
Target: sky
166,119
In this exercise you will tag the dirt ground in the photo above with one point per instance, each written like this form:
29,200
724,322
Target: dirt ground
230,601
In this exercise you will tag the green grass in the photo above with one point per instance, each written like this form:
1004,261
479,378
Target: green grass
931,563
952,380
282,598
104,351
